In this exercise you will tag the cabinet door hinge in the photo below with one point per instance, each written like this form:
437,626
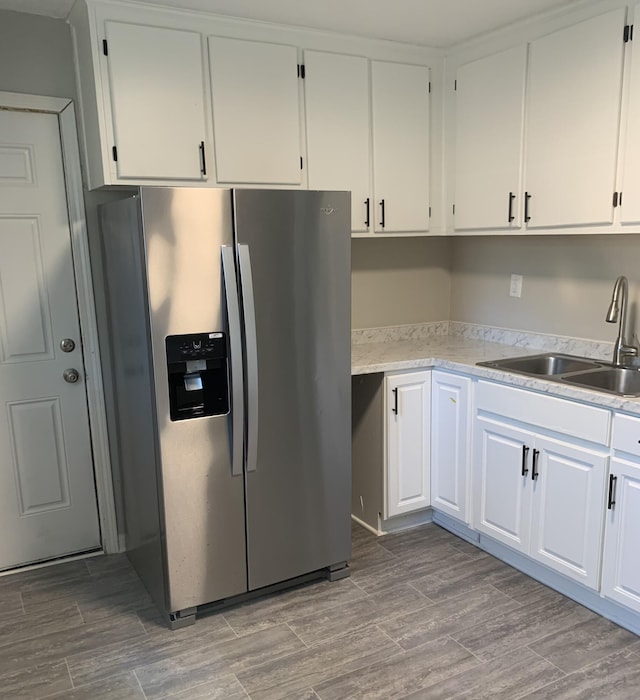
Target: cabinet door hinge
301,71
114,152
105,47
628,33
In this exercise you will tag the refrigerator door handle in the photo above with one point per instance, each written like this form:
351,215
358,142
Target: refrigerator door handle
235,349
251,347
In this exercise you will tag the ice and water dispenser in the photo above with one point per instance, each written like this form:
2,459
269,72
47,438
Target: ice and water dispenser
198,377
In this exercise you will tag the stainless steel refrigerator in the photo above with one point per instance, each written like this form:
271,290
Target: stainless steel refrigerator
229,315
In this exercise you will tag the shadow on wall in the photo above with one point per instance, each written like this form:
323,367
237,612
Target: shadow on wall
398,280
567,282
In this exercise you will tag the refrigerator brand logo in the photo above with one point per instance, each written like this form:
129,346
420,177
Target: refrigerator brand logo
327,210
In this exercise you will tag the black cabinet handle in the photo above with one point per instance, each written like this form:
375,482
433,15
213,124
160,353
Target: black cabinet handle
527,197
612,491
203,161
394,409
534,465
382,212
525,452
367,219
511,198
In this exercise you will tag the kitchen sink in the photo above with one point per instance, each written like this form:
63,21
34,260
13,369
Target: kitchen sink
548,364
622,381
580,371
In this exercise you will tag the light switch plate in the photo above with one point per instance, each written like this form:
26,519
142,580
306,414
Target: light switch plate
515,290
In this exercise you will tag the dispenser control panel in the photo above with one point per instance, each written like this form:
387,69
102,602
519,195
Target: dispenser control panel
196,346
198,375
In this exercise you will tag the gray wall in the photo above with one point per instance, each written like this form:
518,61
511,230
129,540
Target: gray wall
401,280
567,282
35,55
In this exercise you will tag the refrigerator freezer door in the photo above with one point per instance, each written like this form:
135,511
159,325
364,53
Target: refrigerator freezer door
298,497
185,230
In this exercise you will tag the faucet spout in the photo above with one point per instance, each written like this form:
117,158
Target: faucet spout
618,312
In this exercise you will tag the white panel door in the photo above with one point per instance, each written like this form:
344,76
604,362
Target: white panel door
450,443
338,129
156,88
488,148
256,122
47,493
408,403
573,112
621,562
400,107
502,463
568,511
630,153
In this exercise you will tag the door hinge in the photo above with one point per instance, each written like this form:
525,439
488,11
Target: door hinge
105,47
628,33
114,152
301,71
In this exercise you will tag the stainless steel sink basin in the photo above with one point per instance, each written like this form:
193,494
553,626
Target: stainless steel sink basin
621,381
545,365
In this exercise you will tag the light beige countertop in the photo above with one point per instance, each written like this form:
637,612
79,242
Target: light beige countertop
460,354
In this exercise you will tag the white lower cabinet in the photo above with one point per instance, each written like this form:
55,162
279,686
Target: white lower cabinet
541,495
450,427
621,562
408,409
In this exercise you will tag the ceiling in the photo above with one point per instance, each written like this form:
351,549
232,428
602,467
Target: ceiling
436,23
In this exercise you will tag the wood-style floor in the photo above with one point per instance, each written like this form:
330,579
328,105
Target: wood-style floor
424,615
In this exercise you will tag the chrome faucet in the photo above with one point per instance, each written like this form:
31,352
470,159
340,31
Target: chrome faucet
618,311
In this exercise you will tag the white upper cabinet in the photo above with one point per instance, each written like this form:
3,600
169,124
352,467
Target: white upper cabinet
156,95
400,103
573,113
630,207
338,129
489,112
256,116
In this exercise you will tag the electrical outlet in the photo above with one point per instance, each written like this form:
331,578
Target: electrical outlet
515,290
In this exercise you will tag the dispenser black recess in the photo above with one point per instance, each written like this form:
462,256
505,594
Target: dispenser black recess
198,375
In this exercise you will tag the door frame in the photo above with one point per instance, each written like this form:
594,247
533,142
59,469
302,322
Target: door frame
64,110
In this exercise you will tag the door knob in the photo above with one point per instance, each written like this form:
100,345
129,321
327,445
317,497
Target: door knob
71,376
67,345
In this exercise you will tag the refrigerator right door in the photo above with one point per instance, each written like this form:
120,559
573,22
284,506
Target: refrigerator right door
294,255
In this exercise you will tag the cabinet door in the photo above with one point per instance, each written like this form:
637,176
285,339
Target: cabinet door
488,148
502,456
256,122
630,154
568,511
621,563
450,444
156,90
400,101
574,93
338,130
408,404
